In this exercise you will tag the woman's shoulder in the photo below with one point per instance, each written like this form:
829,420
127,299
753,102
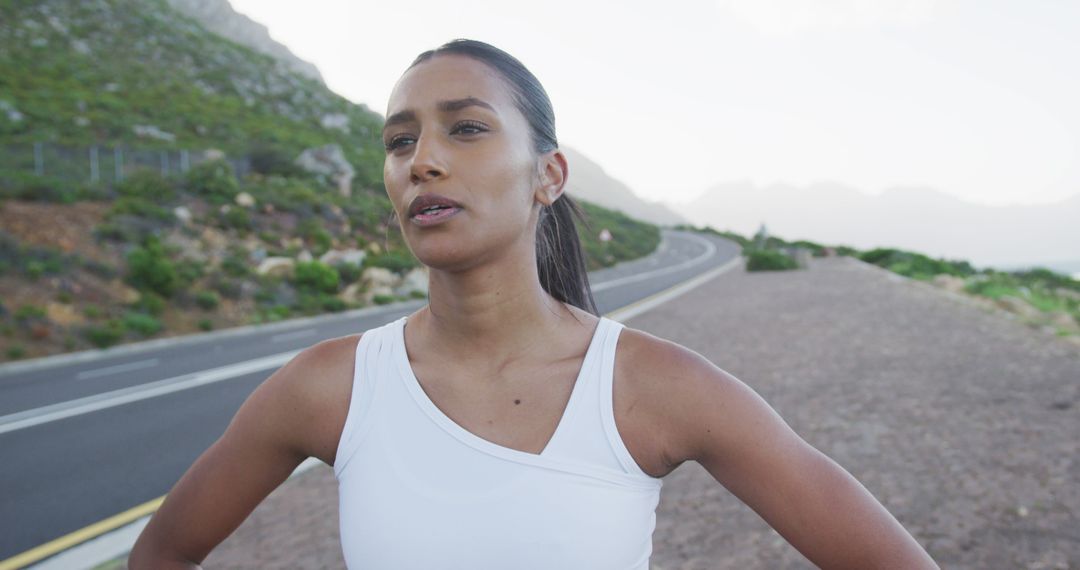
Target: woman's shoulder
318,382
660,386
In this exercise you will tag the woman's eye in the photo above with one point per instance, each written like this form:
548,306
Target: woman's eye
397,142
468,128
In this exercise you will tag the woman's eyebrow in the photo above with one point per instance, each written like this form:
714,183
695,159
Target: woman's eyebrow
443,106
459,104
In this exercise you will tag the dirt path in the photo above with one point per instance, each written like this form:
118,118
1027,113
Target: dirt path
966,425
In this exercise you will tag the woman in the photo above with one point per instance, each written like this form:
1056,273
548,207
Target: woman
480,431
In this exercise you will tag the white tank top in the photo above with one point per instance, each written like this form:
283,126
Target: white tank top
418,491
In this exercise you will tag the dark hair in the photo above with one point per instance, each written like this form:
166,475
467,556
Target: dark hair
559,257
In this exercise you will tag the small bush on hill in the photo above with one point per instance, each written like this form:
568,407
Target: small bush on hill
316,276
213,180
141,323
147,185
150,270
767,260
396,260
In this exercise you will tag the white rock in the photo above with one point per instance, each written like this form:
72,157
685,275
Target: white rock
379,277
329,161
276,266
152,132
414,280
304,256
336,256
183,214
245,200
949,283
336,121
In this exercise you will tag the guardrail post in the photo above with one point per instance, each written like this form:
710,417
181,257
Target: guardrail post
39,160
94,164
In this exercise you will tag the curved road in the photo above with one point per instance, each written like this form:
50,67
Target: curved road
86,436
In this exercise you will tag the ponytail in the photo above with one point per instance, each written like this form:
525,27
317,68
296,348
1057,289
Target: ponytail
559,257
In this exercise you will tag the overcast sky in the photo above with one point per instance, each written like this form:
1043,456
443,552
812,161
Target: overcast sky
976,99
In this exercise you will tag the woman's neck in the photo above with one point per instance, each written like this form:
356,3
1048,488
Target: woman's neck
497,309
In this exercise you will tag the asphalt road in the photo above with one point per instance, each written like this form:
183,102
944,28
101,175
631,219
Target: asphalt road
96,434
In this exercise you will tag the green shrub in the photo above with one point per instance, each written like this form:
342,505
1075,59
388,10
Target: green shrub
316,276
150,270
141,323
237,219
766,260
150,303
398,261
348,272
69,342
105,336
271,160
146,185
25,312
140,207
92,311
235,265
383,299
310,230
188,271
214,180
206,325
34,269
332,304
64,297
15,352
207,300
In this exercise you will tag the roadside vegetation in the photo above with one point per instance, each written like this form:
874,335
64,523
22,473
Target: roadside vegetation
1038,297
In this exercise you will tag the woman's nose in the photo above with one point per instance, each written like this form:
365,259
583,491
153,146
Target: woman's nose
427,163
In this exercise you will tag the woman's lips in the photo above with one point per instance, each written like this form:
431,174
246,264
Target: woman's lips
435,217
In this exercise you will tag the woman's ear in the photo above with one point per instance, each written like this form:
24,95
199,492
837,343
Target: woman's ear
553,174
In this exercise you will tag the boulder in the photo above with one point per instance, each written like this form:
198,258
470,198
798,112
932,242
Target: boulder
183,214
245,200
414,280
329,161
304,256
374,277
354,293
336,256
276,266
1017,306
949,283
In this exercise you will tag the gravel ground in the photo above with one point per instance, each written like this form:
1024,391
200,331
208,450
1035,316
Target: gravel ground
963,422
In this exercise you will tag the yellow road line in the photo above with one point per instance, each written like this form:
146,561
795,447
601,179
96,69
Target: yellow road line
48,549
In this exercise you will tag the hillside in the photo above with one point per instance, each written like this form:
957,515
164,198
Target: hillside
226,188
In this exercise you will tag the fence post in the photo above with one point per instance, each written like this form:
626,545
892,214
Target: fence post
164,154
184,165
39,160
94,164
118,165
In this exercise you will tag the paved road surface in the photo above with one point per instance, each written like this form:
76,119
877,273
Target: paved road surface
962,422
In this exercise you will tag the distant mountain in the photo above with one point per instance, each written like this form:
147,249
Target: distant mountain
589,182
219,17
915,218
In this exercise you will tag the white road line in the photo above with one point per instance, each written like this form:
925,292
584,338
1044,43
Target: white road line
636,308
292,335
710,249
77,407
126,367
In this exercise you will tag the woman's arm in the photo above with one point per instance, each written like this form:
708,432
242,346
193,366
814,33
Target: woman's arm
713,418
289,417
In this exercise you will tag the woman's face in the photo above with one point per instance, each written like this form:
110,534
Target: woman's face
460,153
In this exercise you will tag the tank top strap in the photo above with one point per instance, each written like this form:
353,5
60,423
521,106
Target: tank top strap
374,352
607,399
